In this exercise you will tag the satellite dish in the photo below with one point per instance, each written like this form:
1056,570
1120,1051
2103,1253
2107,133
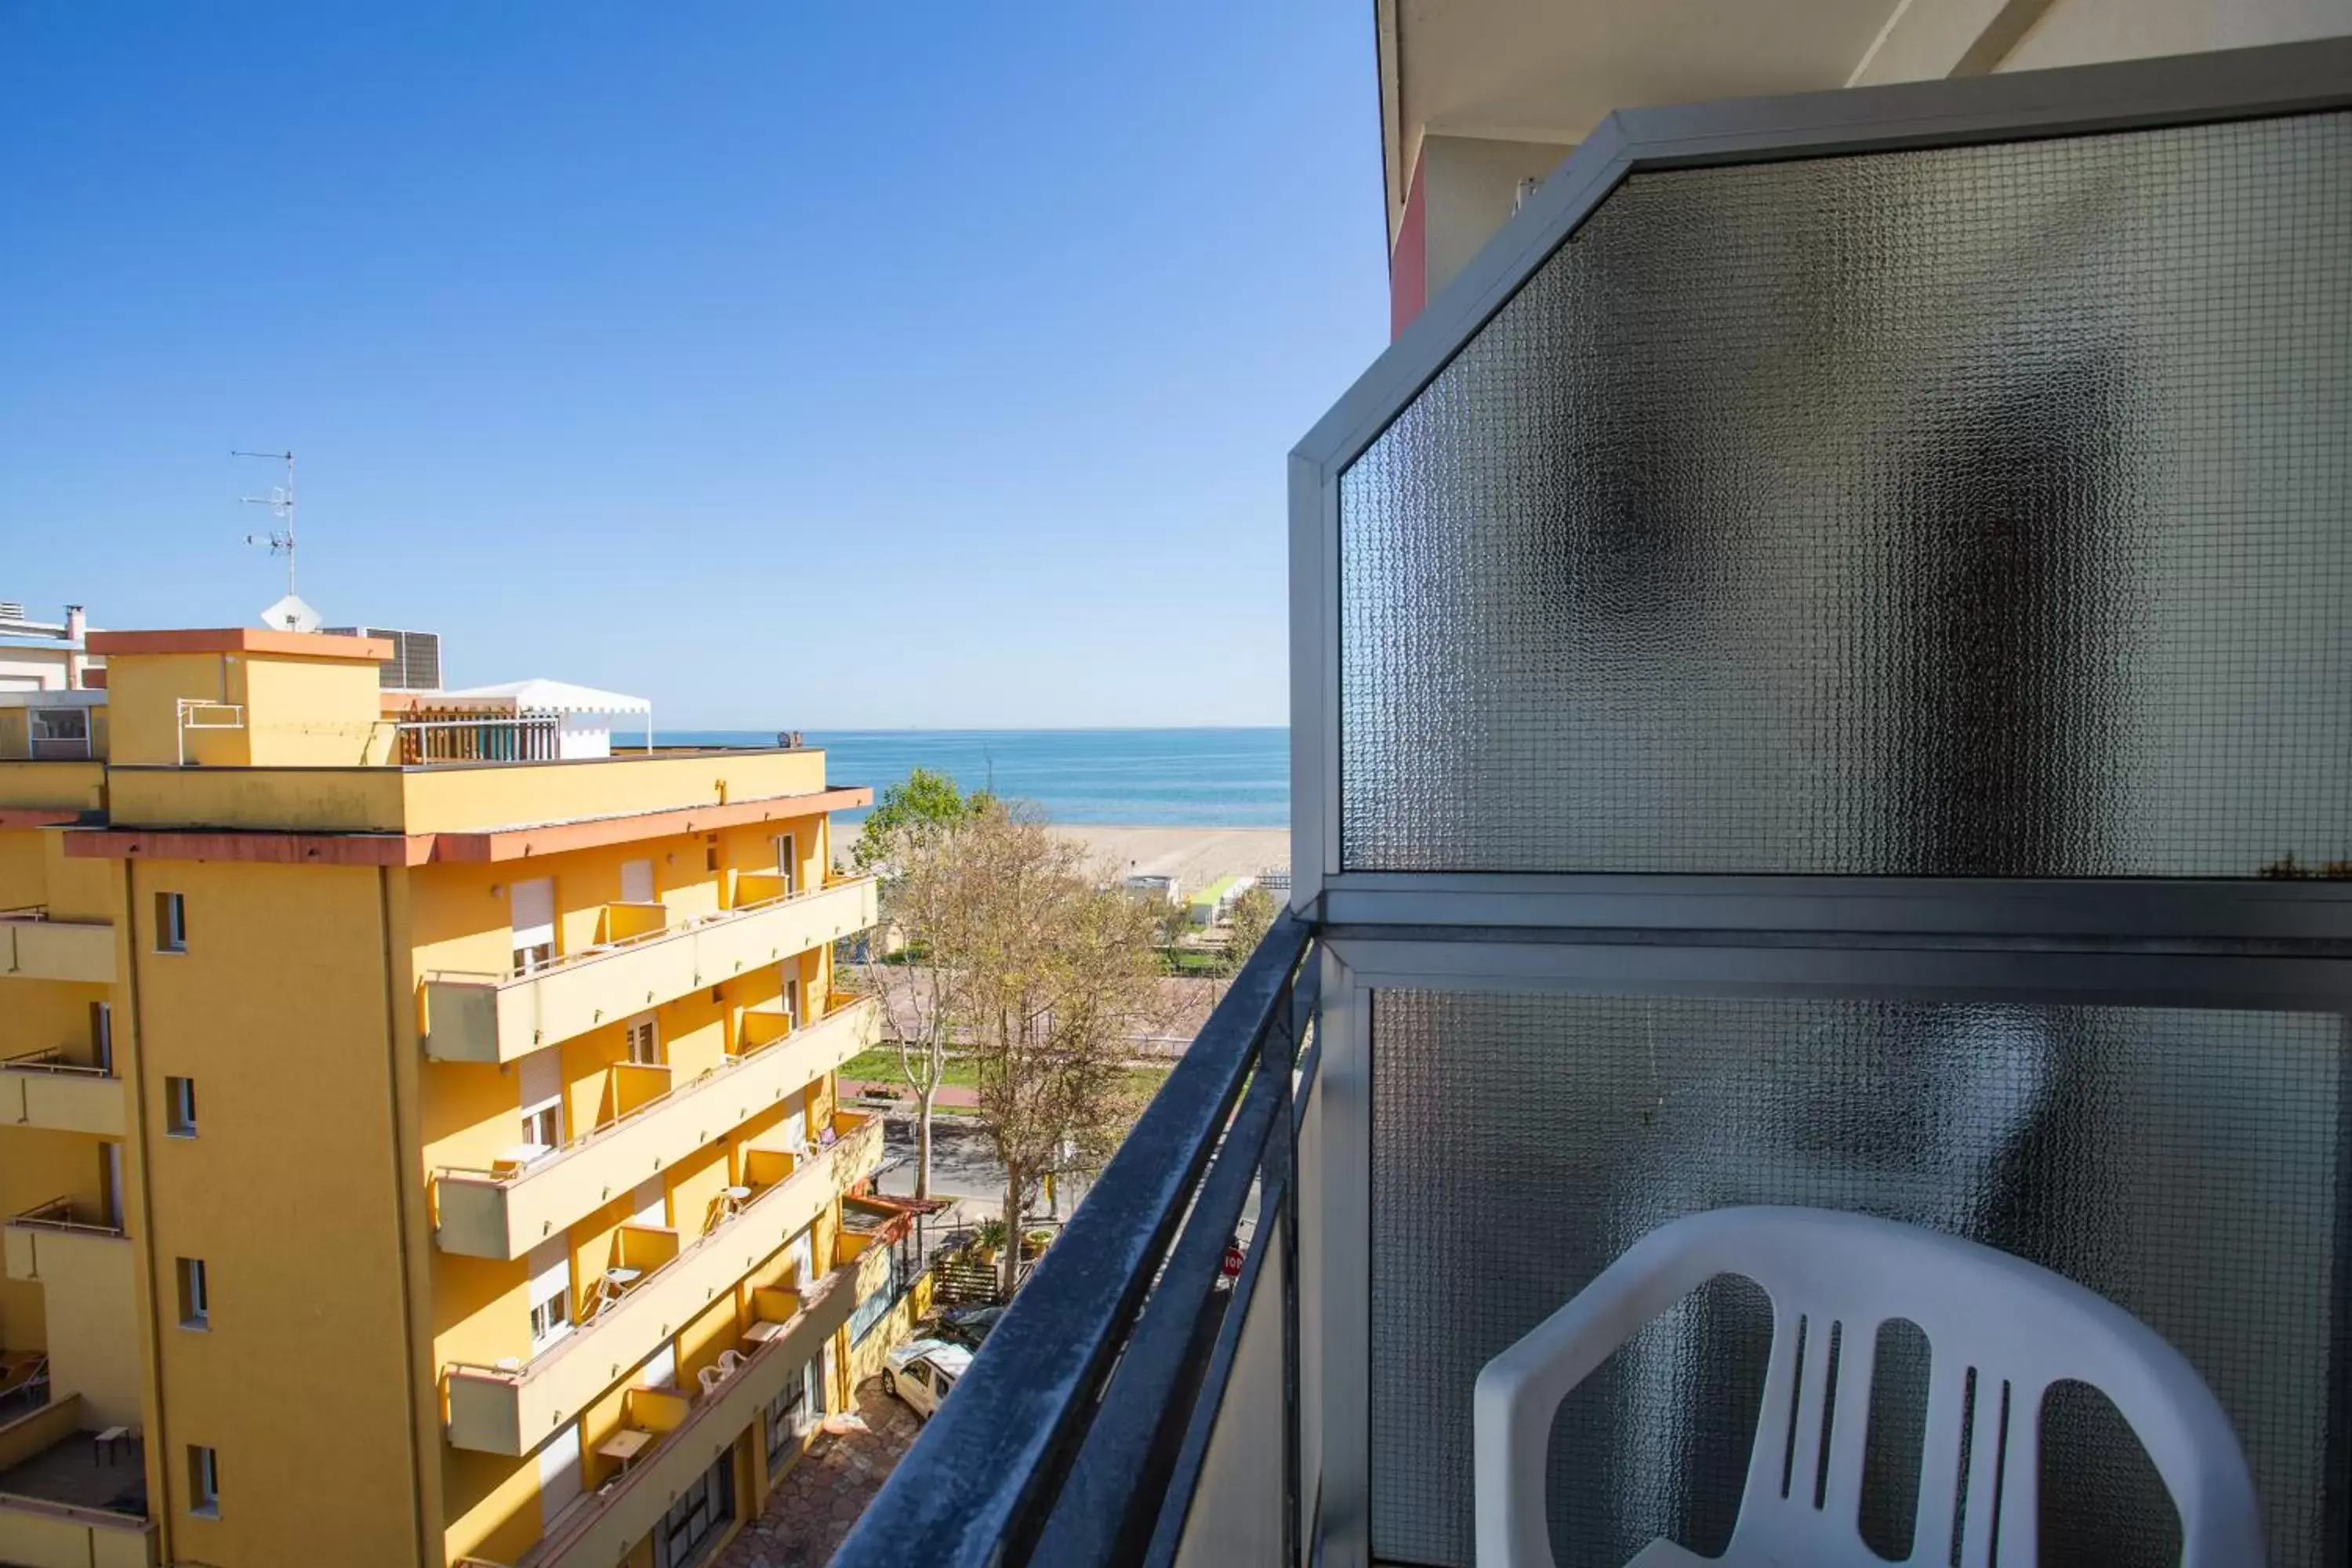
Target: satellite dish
290,614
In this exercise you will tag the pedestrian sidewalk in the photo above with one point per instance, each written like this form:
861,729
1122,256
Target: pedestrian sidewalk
812,1508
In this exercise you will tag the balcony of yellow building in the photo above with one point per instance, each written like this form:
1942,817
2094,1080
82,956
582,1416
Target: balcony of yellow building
62,1243
658,1284
34,947
648,959
48,1089
72,1490
684,1431
505,1213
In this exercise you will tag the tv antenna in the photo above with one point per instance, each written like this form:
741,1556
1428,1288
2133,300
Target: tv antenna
280,502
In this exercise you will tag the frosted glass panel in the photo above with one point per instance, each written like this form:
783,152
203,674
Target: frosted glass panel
1979,512
2185,1164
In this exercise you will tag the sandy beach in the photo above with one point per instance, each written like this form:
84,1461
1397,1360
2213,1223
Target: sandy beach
1195,855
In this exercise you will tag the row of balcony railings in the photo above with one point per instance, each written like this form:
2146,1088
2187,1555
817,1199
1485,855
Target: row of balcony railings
1084,1428
629,925
643,1256
701,1422
463,738
634,1111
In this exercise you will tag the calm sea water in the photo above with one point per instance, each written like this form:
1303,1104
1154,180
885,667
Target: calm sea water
1163,778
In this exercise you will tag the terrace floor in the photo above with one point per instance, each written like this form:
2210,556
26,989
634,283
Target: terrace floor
72,1470
812,1508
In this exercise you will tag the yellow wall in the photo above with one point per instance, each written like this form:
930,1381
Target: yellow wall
24,877
75,888
142,691
279,1012
298,712
315,712
451,799
64,787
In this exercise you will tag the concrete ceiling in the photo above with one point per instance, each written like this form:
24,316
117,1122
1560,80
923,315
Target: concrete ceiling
1548,71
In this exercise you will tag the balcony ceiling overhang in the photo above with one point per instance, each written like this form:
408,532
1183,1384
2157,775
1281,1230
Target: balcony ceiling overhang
1549,70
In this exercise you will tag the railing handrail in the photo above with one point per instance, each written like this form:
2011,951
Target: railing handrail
25,912
980,1485
590,954
42,1216
824,1160
536,718
709,1078
78,1513
51,1059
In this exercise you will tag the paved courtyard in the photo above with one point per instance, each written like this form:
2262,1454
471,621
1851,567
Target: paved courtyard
814,1507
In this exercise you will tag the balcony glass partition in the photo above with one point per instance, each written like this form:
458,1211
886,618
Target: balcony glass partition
2184,1164
1963,511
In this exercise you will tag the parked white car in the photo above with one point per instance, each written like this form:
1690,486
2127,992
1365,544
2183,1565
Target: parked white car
920,1371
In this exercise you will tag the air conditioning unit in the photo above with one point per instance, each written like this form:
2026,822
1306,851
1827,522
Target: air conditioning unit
416,661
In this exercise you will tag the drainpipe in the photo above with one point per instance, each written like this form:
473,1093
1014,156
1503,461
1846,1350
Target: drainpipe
76,662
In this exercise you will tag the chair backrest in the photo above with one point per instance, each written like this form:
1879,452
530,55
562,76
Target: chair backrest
709,1377
2000,1331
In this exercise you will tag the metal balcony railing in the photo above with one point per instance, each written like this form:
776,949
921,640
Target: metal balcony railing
1080,1431
65,1215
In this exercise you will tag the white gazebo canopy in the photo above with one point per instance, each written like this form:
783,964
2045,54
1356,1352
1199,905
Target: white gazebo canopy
583,736
555,696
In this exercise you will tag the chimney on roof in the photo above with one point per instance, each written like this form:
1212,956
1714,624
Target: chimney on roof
76,662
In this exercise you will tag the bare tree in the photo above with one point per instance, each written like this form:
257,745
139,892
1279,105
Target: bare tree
1060,976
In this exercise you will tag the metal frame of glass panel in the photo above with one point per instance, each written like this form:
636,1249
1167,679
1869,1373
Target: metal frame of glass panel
2195,944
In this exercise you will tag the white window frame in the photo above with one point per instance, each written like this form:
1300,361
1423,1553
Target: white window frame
550,1320
545,1117
548,1288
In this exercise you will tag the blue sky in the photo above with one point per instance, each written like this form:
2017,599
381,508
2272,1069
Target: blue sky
790,364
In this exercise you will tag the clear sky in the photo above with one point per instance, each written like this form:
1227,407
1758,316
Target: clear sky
789,364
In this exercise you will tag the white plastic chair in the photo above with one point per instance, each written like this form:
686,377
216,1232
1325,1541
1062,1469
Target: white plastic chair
2018,1326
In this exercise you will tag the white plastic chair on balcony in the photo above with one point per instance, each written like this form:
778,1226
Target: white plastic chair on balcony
2019,1328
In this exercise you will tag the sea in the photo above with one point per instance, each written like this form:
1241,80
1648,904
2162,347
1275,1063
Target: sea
1159,778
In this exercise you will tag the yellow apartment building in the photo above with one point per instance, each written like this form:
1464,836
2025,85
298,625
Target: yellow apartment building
408,1164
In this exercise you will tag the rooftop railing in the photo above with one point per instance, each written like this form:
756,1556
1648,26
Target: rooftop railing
520,738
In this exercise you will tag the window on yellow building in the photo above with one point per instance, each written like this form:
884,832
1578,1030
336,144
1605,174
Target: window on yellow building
195,1295
171,922
180,1107
203,1481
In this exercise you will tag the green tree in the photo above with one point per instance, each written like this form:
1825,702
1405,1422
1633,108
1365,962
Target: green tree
1253,917
924,806
908,840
